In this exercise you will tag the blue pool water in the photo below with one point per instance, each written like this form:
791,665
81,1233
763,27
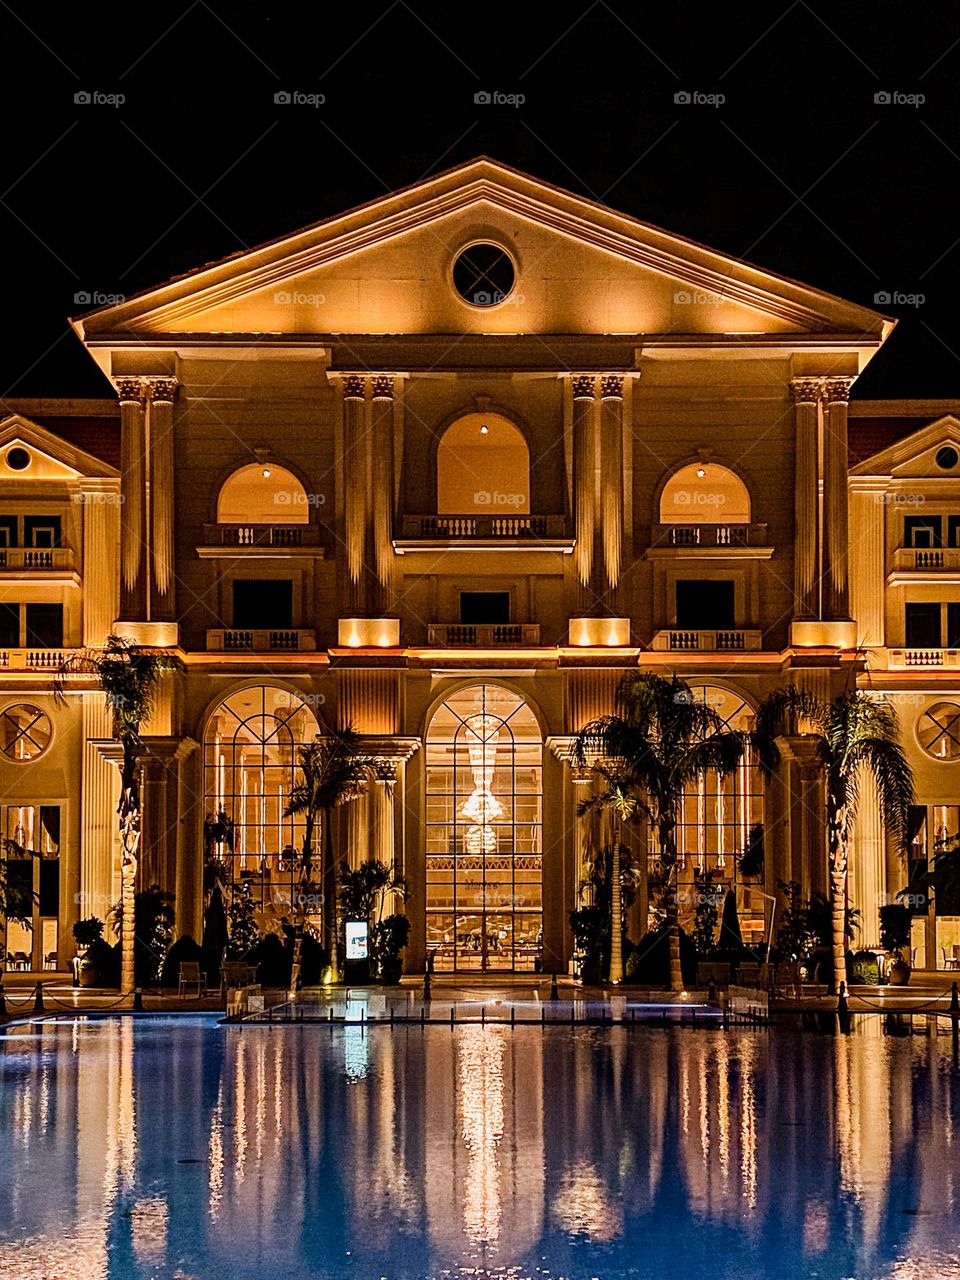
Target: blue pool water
179,1149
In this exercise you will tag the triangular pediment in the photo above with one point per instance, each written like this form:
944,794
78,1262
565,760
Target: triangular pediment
48,456
915,455
386,268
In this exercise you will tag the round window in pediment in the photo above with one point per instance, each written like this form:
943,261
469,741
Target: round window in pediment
484,274
947,458
17,458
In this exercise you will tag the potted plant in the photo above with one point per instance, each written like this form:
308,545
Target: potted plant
85,934
896,921
388,939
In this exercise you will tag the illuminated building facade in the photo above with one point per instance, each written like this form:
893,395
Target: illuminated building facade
445,469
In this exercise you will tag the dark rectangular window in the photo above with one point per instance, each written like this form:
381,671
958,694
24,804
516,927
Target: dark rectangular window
8,531
922,531
705,604
922,626
478,607
9,626
918,900
953,626
953,531
262,603
44,626
41,531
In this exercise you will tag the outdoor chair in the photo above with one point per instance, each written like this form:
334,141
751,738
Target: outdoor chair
190,976
20,960
50,960
237,973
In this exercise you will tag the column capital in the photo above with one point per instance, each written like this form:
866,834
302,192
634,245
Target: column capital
611,386
805,390
837,389
584,386
130,389
160,390
383,386
354,386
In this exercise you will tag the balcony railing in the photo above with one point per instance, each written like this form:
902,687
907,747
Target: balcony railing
480,527
709,535
33,659
913,559
483,635
261,535
903,658
36,559
268,640
727,640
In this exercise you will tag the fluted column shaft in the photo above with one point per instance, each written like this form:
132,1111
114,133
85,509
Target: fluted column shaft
133,510
806,595
383,494
836,396
355,492
611,485
584,466
160,394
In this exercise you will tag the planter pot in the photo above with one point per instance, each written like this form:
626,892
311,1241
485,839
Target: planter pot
390,972
88,975
899,973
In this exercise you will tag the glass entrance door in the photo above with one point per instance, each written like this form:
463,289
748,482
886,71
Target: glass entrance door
484,855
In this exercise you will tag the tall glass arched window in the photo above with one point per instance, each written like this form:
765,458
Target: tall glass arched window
721,821
484,855
249,768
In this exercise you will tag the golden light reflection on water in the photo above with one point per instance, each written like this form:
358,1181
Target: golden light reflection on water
481,1151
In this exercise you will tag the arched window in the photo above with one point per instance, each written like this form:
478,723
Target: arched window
720,821
483,832
704,493
483,467
263,493
249,766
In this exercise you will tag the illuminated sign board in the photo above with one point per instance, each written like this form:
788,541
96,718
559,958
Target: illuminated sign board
356,939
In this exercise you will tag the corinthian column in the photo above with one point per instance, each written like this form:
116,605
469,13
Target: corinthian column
806,396
836,396
382,466
160,393
584,452
355,491
611,483
133,510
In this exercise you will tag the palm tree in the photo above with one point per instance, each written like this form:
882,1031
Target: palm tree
856,734
333,771
129,675
659,741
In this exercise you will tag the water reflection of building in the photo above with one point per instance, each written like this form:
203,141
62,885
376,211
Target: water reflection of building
134,1149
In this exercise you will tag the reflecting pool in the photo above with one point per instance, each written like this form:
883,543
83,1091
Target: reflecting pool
176,1148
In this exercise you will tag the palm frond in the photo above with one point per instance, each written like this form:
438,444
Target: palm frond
778,714
887,761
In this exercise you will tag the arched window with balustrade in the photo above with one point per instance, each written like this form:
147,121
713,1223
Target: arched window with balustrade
484,853
262,503
705,496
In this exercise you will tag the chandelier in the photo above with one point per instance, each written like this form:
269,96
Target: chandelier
481,808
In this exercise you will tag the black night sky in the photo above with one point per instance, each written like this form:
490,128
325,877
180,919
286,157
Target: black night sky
834,156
